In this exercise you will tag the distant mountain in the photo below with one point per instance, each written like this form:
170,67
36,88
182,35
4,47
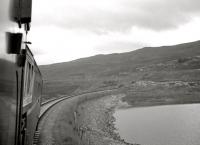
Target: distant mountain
149,63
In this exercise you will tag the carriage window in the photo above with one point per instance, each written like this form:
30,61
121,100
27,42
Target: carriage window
28,84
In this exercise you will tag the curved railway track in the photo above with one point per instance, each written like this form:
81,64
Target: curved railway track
47,105
44,109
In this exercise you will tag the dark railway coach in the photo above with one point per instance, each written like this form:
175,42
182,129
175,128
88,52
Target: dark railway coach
20,78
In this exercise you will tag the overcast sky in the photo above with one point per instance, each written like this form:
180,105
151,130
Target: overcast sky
65,30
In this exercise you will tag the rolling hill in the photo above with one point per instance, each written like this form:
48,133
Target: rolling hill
101,64
124,70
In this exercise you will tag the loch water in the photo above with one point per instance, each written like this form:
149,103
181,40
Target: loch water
160,125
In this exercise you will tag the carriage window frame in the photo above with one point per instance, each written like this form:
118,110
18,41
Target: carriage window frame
28,83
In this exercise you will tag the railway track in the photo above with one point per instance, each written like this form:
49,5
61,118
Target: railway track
47,105
44,109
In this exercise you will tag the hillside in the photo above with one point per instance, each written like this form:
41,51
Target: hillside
148,66
103,64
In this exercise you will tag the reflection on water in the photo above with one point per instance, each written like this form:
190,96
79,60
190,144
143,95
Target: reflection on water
160,125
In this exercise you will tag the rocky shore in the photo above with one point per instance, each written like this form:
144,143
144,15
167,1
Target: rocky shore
95,122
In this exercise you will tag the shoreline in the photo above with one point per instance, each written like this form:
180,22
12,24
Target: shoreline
96,120
154,105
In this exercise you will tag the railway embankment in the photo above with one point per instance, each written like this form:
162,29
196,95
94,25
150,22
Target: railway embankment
84,119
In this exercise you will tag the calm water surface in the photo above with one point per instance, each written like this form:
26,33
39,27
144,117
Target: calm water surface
160,125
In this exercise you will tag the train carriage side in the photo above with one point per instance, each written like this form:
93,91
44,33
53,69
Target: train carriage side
19,104
32,91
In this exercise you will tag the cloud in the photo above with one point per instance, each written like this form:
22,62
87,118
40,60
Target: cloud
69,29
116,15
